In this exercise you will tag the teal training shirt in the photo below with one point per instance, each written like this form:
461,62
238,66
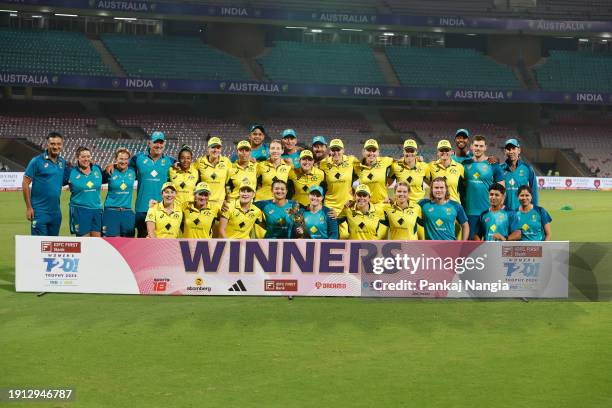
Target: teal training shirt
532,223
319,225
492,222
47,181
120,188
479,176
279,222
439,219
295,158
523,175
85,188
151,175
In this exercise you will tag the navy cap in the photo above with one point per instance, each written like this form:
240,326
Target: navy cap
260,127
464,131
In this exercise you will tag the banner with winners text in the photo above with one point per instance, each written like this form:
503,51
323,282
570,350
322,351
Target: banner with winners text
292,267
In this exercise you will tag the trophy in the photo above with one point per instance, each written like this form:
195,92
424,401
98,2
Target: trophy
298,221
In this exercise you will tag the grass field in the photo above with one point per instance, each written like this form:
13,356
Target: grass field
156,351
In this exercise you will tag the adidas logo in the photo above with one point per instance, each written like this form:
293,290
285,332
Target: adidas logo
238,287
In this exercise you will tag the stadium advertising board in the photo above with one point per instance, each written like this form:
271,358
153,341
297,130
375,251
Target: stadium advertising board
292,267
10,181
236,11
293,89
575,183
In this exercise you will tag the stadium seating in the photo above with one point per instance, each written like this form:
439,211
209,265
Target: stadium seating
49,52
37,127
175,57
322,63
576,71
449,68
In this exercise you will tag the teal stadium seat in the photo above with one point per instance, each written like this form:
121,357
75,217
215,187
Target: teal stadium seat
156,56
576,71
322,64
456,68
49,52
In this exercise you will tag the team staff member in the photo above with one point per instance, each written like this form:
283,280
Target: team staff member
239,220
164,218
364,219
403,216
118,218
440,214
532,222
517,173
446,167
319,149
278,212
184,175
496,223
409,170
301,179
215,170
199,215
151,173
479,176
271,170
462,146
242,169
259,150
85,181
292,152
318,222
47,173
373,170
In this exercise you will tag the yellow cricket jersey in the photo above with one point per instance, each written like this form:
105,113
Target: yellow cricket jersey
365,226
266,175
237,174
166,225
184,181
215,176
303,181
198,223
240,223
403,223
375,177
454,173
338,181
414,177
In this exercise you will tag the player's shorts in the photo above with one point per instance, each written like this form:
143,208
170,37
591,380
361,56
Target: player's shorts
47,224
473,220
118,222
141,224
85,220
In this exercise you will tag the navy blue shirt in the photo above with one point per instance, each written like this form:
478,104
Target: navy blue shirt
47,181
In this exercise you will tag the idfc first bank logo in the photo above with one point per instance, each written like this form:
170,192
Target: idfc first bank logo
60,256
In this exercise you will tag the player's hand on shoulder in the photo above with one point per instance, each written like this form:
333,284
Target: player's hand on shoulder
152,203
493,160
109,168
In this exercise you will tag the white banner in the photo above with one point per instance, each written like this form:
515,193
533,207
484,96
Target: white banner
10,181
575,183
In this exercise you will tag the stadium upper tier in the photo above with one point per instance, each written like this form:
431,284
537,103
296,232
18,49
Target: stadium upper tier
172,57
449,68
576,71
50,52
322,63
36,126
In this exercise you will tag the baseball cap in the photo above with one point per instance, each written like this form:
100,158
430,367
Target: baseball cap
186,148
316,188
370,143
444,144
168,184
512,142
243,144
289,133
214,141
319,139
157,135
260,127
410,143
246,184
201,187
306,153
336,143
464,131
362,188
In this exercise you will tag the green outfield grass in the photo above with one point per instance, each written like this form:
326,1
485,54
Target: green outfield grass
156,351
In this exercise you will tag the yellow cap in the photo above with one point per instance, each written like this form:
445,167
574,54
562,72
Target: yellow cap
362,188
370,143
213,141
246,184
336,143
168,184
444,144
306,153
200,187
410,143
243,144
